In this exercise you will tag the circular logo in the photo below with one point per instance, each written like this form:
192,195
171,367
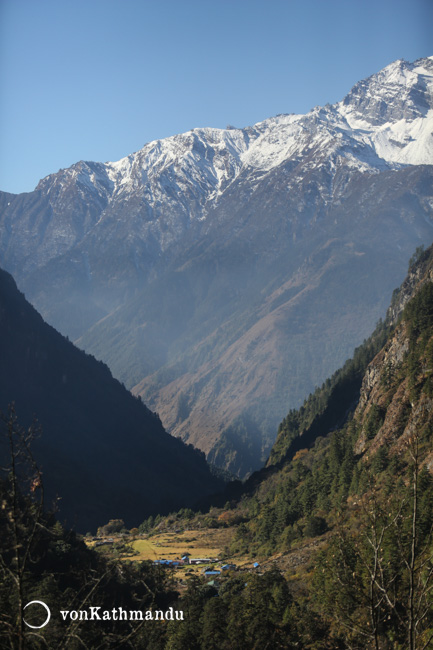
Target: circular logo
38,602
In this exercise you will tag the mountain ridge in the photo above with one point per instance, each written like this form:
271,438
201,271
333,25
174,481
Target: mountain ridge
103,452
180,264
200,147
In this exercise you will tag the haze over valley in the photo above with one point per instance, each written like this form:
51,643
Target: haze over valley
223,274
216,325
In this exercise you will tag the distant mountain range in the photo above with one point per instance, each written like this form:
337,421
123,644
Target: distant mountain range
223,274
101,451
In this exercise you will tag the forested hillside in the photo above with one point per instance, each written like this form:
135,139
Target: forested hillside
345,506
355,475
339,523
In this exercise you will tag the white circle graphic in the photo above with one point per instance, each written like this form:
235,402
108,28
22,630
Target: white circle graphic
38,602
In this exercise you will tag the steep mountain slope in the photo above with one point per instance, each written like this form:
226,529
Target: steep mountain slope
345,505
365,381
101,450
222,274
340,522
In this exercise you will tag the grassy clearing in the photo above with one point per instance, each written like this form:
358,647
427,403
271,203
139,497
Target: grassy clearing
198,543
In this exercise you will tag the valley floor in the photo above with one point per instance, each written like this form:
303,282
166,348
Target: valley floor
212,544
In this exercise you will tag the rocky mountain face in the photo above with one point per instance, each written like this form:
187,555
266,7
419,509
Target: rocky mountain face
223,274
100,450
384,388
396,397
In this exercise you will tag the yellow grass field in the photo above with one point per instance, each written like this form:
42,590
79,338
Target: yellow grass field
206,543
170,546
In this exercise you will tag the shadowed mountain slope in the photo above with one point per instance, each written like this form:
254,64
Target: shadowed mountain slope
101,450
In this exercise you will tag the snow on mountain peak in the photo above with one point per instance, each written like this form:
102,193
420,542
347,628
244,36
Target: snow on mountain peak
385,121
394,111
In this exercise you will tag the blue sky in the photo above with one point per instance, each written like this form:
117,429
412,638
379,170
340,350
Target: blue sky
97,79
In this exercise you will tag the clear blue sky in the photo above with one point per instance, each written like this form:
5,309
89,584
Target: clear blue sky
97,79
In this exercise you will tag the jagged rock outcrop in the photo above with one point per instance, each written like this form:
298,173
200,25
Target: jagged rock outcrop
395,401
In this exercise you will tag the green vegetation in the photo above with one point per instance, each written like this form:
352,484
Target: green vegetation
360,497
329,406
340,523
40,560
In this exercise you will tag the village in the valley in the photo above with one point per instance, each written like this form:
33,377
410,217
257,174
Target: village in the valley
200,552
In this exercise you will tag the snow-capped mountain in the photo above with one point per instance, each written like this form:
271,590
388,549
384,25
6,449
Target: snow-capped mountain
236,264
384,122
